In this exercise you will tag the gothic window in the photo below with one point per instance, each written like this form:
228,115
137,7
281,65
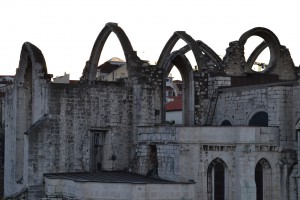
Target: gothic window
217,180
263,180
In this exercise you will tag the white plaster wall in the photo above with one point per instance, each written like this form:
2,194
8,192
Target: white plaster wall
174,115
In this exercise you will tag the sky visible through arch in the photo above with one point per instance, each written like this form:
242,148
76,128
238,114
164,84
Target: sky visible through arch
66,30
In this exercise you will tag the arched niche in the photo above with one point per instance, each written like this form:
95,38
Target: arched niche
90,70
270,40
217,180
183,65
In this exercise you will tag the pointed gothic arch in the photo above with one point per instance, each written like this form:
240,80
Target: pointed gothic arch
166,59
263,180
89,72
171,43
205,49
217,180
183,65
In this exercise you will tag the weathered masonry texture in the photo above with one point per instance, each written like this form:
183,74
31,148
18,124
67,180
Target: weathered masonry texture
239,138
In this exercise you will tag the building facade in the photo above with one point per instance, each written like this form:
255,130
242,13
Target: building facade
238,138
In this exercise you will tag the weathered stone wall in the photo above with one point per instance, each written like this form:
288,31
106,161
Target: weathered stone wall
238,105
75,111
164,138
1,146
126,191
185,153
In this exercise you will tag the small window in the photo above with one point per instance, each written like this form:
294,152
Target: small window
226,123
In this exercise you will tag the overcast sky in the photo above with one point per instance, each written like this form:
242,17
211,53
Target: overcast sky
66,30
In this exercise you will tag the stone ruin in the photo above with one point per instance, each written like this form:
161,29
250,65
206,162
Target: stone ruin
238,138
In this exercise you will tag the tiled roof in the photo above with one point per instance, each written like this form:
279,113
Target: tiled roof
175,105
107,177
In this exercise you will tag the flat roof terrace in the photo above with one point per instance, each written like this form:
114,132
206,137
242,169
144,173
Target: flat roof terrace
114,185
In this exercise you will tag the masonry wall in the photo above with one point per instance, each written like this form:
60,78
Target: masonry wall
126,191
1,147
76,111
238,105
185,153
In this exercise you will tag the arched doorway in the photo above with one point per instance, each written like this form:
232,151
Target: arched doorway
263,180
217,180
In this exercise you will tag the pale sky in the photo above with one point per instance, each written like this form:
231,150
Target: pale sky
66,30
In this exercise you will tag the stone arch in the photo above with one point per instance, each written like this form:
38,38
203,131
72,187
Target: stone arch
217,180
31,72
89,72
31,56
270,40
253,113
205,49
171,43
254,55
166,59
263,179
183,65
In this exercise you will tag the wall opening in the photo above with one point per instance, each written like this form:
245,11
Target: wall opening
261,62
112,66
259,119
259,181
263,180
217,180
97,150
174,97
152,164
226,123
185,99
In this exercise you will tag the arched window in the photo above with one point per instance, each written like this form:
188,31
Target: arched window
226,123
263,180
259,119
217,180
